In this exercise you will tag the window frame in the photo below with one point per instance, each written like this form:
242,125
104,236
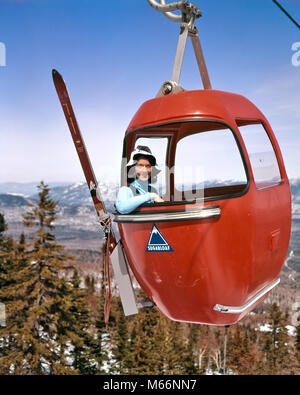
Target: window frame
239,148
249,122
172,133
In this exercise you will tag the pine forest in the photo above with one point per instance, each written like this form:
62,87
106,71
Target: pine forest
55,320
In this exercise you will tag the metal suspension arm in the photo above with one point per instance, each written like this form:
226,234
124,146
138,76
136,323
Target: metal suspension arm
190,12
200,59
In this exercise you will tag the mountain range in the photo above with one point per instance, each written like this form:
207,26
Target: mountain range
68,194
76,223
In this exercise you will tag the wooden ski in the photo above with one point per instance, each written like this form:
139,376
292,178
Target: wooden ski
103,215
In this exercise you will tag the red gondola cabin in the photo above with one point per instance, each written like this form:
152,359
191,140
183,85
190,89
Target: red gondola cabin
216,246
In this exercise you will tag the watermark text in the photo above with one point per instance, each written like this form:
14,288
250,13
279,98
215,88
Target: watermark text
2,55
296,56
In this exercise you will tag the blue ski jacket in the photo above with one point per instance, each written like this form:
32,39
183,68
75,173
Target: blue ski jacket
127,200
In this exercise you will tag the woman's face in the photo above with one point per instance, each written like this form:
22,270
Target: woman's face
143,169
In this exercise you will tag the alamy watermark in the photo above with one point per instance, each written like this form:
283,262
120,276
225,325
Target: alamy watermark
296,56
2,55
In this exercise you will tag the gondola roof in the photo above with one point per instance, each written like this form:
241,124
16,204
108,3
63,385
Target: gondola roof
206,104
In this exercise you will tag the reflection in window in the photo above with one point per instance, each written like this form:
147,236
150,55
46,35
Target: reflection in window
262,156
210,164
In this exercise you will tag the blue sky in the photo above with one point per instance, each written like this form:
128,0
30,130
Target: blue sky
114,55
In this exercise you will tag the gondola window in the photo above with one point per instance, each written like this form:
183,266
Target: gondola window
262,155
208,164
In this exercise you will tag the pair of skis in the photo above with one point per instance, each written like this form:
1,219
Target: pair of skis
103,215
66,105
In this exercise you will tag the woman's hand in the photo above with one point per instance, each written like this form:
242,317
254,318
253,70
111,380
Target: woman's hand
156,198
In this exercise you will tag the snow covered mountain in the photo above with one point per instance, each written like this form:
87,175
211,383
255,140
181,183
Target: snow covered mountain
78,194
18,194
76,218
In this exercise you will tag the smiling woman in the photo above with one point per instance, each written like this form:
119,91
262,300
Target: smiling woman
141,172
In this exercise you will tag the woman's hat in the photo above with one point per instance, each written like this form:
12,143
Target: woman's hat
143,151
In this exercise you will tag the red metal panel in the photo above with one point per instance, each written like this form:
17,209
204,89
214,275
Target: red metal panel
193,104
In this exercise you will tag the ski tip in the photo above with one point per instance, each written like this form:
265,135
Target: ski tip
55,73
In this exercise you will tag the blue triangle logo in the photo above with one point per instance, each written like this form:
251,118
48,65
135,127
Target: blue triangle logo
157,242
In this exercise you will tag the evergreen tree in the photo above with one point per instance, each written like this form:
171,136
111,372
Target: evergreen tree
142,347
3,226
101,340
13,264
175,355
121,344
242,356
190,354
35,296
73,327
277,349
5,259
7,254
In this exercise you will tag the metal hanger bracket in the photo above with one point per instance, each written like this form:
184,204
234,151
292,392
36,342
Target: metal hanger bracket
190,12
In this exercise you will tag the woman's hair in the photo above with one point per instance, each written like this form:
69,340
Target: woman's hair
131,174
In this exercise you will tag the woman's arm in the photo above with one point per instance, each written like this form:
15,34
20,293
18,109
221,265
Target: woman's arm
126,202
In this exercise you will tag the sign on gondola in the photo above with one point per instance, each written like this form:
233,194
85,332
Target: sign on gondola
157,242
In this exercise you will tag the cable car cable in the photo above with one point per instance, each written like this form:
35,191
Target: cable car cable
286,13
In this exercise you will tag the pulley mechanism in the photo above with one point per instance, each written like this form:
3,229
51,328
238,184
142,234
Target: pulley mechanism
189,13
